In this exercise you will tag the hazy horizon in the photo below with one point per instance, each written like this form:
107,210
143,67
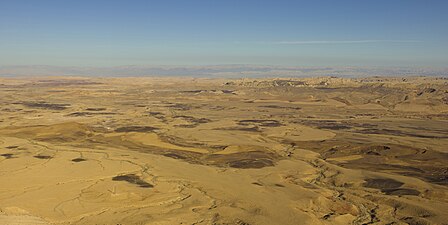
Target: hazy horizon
220,71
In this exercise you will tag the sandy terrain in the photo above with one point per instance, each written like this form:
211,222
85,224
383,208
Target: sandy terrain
216,151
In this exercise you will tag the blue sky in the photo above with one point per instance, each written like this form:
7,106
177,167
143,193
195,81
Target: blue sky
203,32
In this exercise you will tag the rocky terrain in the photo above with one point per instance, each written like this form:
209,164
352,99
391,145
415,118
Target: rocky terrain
328,150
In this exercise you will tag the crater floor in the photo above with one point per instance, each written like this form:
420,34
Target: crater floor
223,151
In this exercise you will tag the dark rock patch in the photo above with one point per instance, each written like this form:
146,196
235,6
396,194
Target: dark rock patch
155,113
186,125
7,155
80,114
174,156
228,92
382,183
335,127
243,160
44,105
250,163
133,179
194,122
422,163
136,129
193,119
400,191
179,106
375,150
90,113
96,109
193,91
207,91
390,187
249,129
416,221
79,160
397,133
158,115
43,157
262,123
327,124
279,107
433,174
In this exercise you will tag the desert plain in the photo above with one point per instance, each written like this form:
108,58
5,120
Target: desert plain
136,150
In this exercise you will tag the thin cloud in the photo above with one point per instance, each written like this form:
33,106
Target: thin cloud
341,42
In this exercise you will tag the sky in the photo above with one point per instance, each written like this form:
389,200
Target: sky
210,32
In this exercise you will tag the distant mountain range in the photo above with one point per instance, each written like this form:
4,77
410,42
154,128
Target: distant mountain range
225,71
